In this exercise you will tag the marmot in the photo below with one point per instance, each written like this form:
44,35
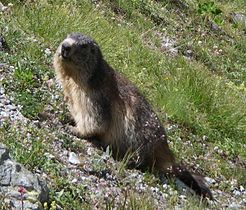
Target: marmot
108,107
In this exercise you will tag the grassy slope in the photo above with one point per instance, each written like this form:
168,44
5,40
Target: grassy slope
203,95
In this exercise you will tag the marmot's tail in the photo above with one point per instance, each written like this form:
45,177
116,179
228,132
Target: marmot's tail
195,182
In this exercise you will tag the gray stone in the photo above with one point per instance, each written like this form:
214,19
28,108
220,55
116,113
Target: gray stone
209,180
20,188
4,114
6,102
239,19
4,153
2,91
237,192
234,206
5,174
73,158
2,7
214,27
17,204
24,178
11,107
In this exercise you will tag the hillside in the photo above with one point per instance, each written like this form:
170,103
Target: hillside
188,59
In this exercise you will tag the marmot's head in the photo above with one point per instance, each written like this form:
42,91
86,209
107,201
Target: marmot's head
78,50
80,57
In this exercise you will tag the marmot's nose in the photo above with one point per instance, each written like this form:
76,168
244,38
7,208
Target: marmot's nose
65,50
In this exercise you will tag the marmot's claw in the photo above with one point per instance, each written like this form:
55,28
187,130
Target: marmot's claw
71,130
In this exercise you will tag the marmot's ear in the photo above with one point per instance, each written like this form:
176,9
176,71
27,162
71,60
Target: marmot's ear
95,44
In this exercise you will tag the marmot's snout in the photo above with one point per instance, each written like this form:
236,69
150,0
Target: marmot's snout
66,50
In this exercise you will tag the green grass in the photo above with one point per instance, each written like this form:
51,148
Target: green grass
204,95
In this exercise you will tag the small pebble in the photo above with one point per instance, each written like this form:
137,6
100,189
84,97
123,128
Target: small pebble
74,180
73,158
209,180
47,52
216,148
237,192
11,107
234,206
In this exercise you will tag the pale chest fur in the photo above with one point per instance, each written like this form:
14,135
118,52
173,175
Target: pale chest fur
112,120
83,110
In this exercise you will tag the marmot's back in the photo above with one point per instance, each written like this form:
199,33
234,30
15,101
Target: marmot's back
144,131
108,107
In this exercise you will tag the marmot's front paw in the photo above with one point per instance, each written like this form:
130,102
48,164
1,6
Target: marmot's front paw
72,130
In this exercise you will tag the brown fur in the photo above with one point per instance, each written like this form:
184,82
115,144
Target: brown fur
108,107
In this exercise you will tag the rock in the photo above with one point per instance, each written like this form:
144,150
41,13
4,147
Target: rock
168,45
239,19
8,110
216,148
182,188
11,107
47,52
236,192
2,91
234,206
214,26
73,158
2,7
4,153
19,186
4,114
241,188
5,174
209,181
6,102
